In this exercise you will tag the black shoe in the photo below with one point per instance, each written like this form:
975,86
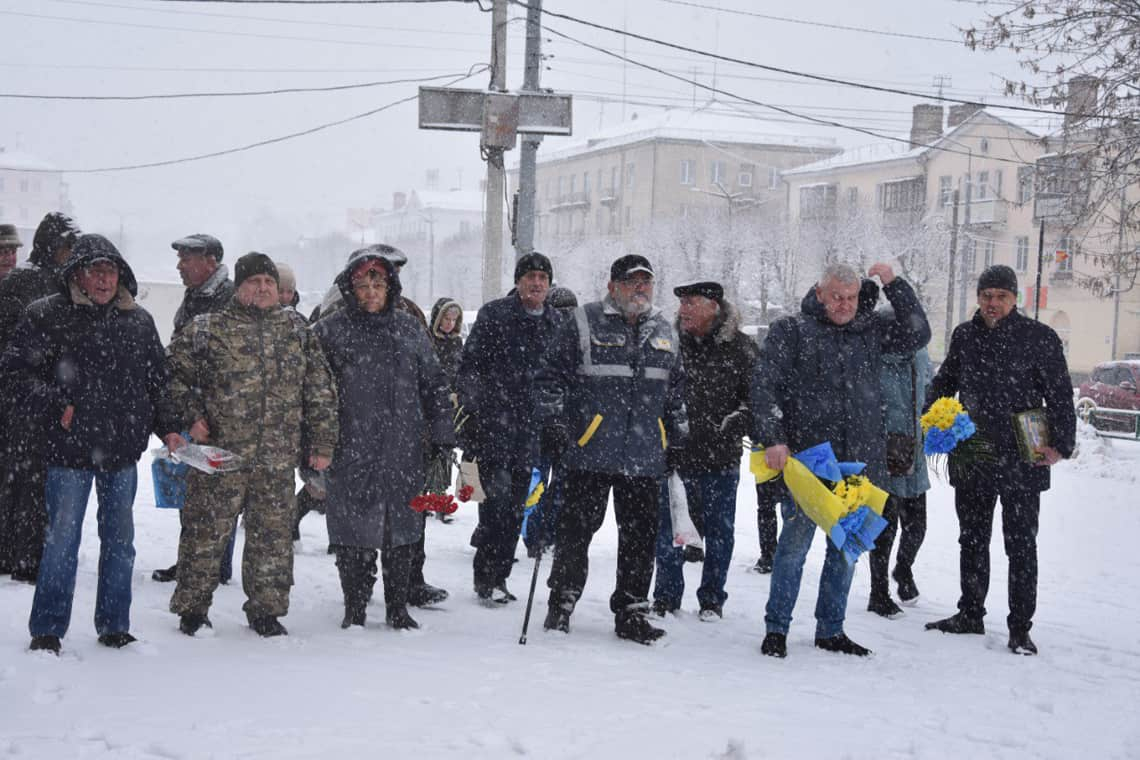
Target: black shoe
884,606
1020,643
958,623
763,566
908,591
635,626
502,595
557,619
190,623
398,618
117,640
165,575
354,616
45,644
25,575
842,645
775,645
710,613
425,595
661,608
267,626
693,554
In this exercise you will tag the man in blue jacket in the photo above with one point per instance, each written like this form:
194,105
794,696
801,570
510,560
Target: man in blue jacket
816,381
88,362
612,384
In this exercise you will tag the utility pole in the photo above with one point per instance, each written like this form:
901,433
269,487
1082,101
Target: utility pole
493,221
950,287
1040,266
528,157
966,261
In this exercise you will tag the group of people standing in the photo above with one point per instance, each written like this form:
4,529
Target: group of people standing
368,399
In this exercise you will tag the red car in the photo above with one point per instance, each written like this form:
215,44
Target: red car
1113,386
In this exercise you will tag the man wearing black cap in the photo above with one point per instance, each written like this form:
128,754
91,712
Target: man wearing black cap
1001,363
507,340
718,361
208,289
251,379
87,363
612,378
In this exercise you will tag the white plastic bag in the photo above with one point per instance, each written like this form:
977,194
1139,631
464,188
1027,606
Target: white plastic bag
209,459
684,532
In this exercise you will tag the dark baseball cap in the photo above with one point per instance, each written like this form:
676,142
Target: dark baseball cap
200,243
627,265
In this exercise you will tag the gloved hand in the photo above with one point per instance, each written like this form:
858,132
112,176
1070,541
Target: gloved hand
555,438
442,451
674,457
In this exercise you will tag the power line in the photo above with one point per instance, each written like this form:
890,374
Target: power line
795,73
247,93
320,2
242,148
821,24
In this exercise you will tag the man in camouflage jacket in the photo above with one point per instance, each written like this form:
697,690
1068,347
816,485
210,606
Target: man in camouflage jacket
250,379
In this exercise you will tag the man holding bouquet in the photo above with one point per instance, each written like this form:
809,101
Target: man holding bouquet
1001,364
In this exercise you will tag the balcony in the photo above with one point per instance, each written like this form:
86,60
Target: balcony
988,213
571,201
608,196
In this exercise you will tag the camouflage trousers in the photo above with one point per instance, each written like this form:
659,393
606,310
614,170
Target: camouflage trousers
213,503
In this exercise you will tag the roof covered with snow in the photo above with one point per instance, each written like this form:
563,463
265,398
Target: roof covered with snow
15,159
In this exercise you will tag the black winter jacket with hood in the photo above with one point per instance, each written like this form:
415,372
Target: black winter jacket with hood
815,381
448,346
39,277
105,361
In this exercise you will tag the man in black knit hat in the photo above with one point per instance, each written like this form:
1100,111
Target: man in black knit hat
1001,363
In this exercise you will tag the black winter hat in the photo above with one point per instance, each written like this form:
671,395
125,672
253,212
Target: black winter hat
709,289
533,262
254,263
627,265
200,242
562,298
55,229
998,276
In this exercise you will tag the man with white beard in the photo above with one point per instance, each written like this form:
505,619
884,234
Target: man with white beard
611,386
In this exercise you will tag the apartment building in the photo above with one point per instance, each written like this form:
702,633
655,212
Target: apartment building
29,188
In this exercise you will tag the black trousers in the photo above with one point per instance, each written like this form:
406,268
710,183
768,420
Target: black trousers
357,569
769,496
909,513
500,520
23,516
1019,516
635,507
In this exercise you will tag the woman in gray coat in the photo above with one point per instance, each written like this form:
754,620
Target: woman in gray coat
390,390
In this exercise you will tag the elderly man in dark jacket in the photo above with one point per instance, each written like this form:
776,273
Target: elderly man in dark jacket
22,474
499,359
1001,363
390,389
89,363
817,381
718,360
613,381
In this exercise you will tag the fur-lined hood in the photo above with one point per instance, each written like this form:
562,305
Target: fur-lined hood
89,248
437,312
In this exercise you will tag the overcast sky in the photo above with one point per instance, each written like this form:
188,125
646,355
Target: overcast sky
303,185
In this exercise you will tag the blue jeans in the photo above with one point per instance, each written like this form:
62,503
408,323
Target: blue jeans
713,494
66,493
788,569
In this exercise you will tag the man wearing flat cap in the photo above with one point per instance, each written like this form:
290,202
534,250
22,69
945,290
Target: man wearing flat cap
612,381
10,244
718,360
251,379
1002,363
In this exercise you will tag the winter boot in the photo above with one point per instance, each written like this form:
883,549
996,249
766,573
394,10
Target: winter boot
958,623
908,591
117,640
1020,643
425,595
45,644
633,624
661,607
353,616
711,613
166,574
763,566
267,626
397,617
884,606
558,610
397,568
357,570
775,645
190,623
842,645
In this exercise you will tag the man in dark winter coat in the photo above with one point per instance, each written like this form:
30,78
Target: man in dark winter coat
250,379
718,360
89,361
390,389
208,289
22,474
1001,363
10,244
816,381
495,373
611,386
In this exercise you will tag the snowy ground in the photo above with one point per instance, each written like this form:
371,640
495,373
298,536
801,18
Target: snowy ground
463,687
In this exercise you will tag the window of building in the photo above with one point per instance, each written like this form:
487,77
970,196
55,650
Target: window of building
561,188
982,188
1024,184
902,195
852,197
1065,253
818,201
36,186
683,211
970,257
997,183
573,183
988,254
586,185
687,171
23,186
717,171
746,173
945,191
773,178
630,175
1022,264
614,185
